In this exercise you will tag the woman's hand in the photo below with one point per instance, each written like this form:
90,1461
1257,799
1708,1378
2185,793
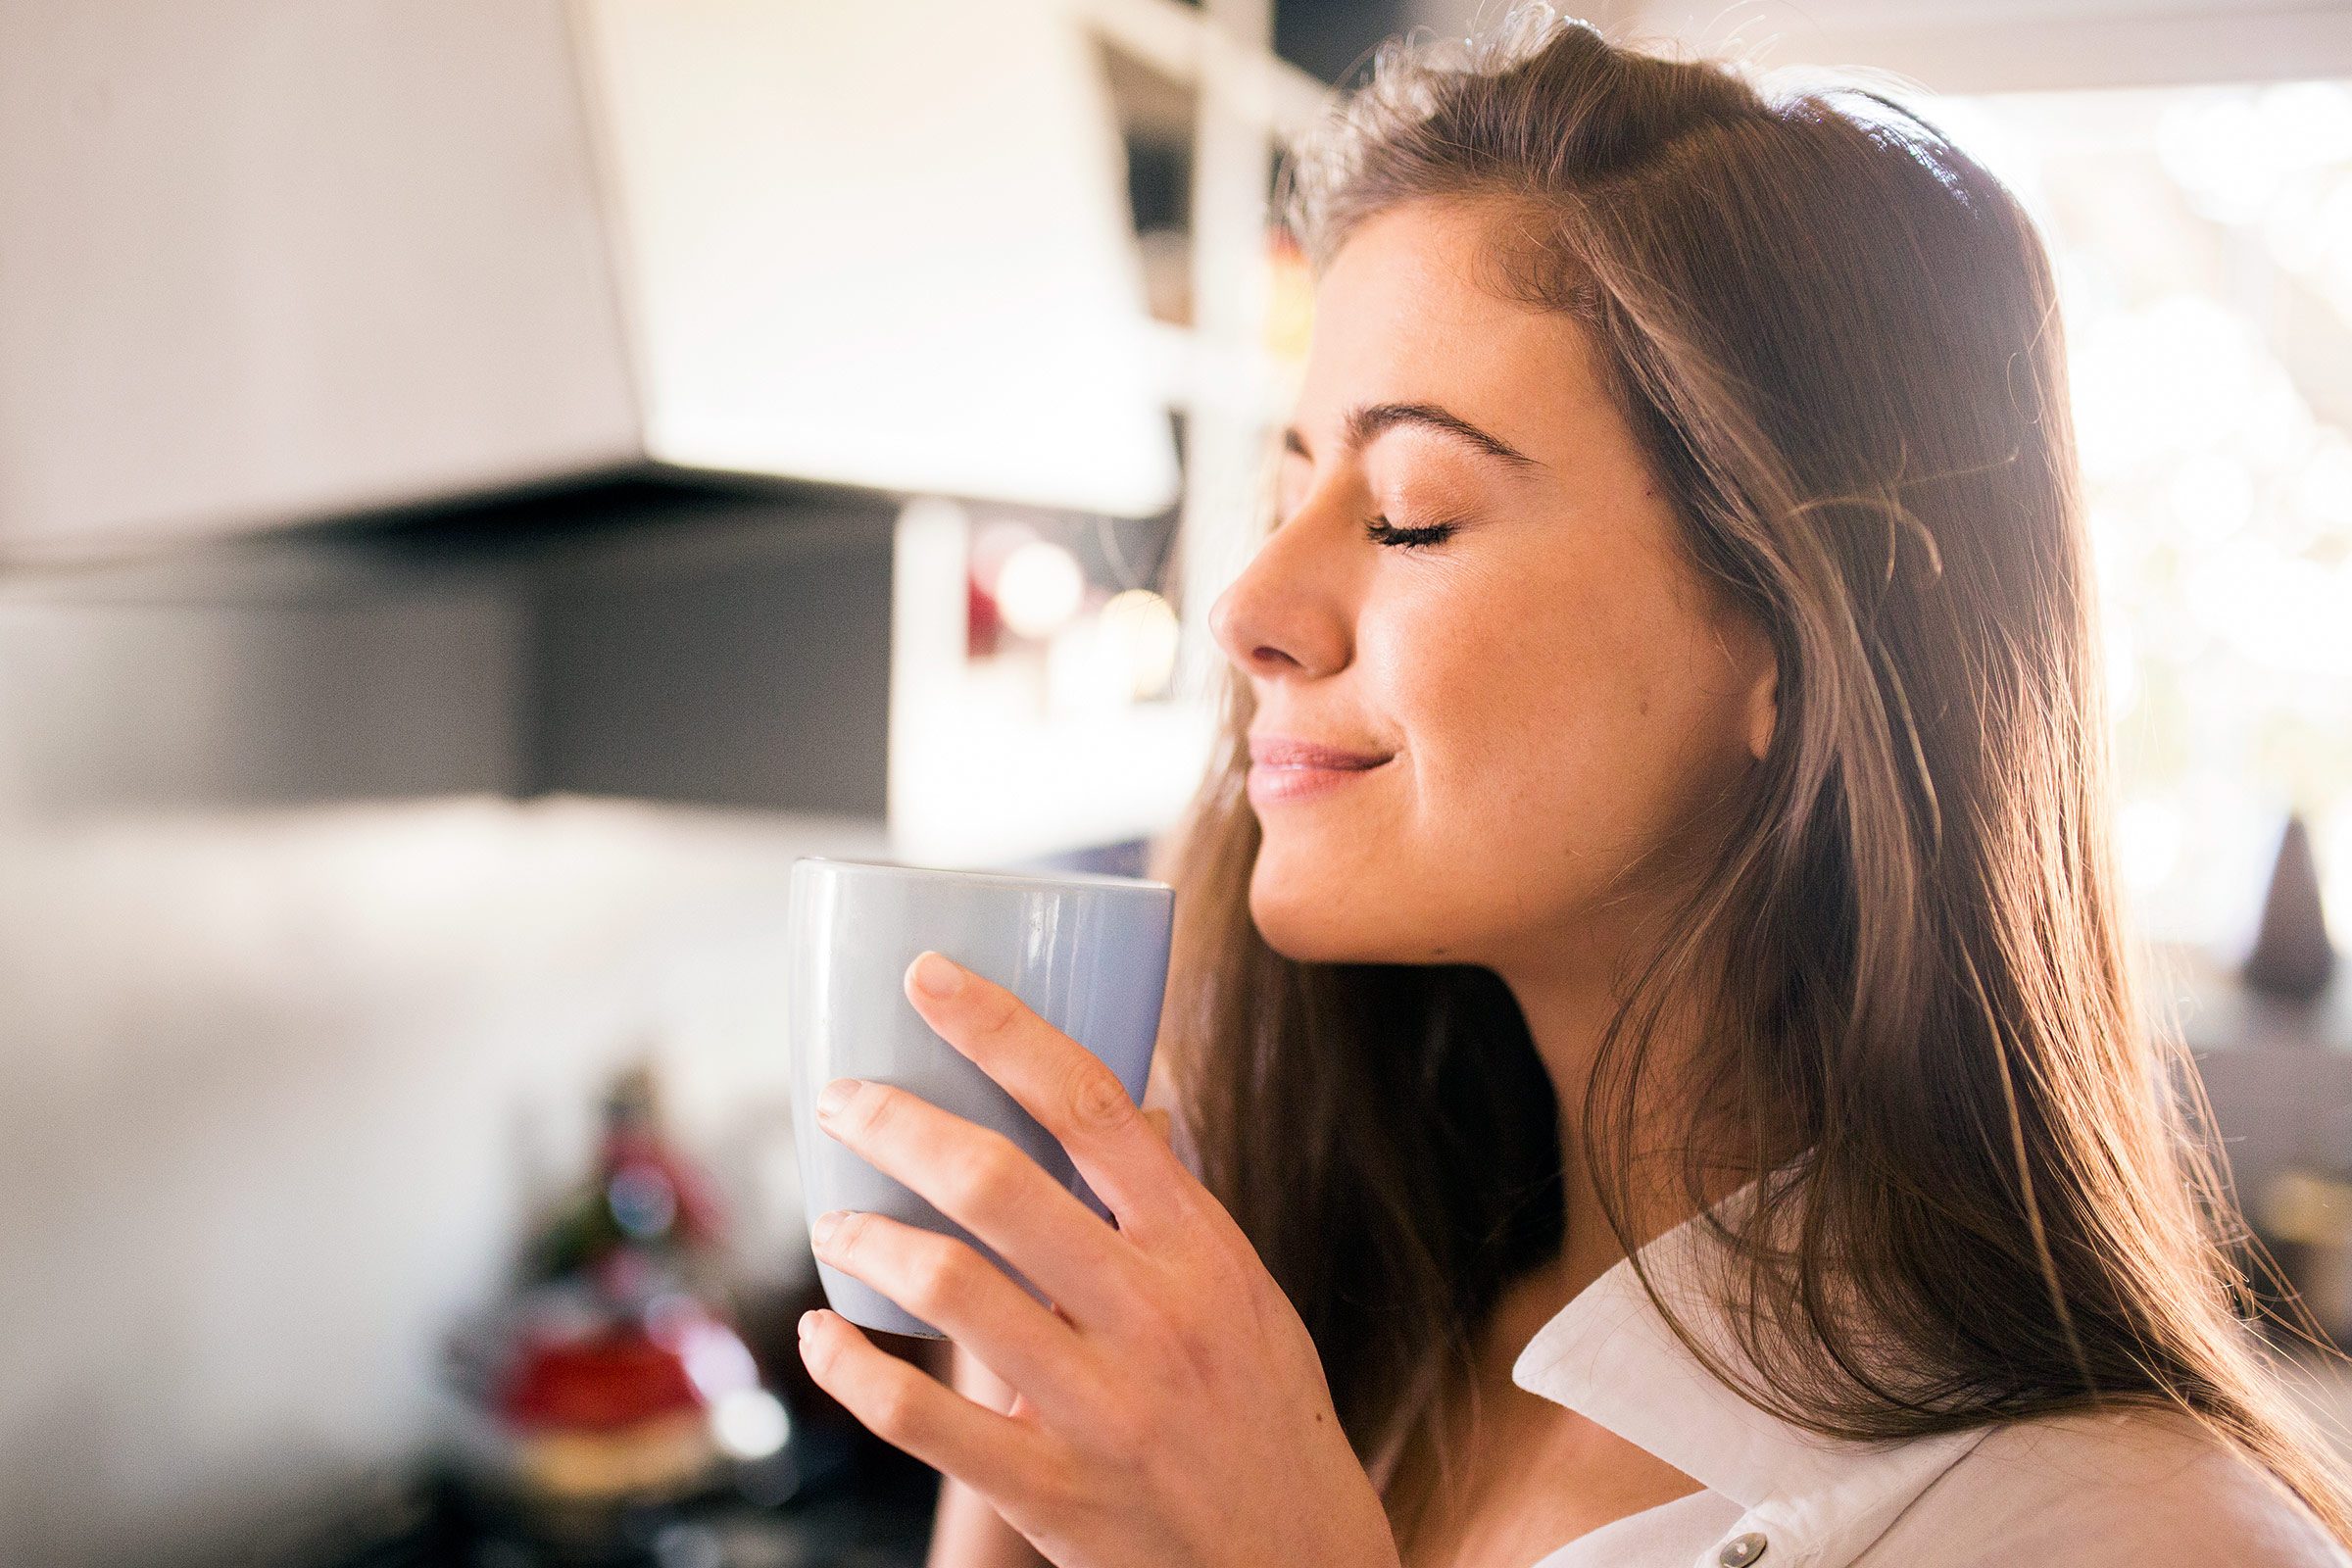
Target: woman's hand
1173,1412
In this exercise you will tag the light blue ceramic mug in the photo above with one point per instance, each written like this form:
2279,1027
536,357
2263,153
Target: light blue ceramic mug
1088,952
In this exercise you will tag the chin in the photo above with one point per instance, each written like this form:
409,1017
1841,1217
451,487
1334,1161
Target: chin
1307,925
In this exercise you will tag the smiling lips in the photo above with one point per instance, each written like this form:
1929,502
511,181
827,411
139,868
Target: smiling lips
1285,769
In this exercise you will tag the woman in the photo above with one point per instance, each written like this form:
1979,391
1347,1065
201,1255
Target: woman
1675,1094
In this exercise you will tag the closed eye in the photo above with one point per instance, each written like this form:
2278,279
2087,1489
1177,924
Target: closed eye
1382,532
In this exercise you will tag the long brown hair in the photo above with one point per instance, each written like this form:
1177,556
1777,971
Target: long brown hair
1836,337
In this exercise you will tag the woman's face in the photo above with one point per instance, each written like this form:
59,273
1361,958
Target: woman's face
1557,695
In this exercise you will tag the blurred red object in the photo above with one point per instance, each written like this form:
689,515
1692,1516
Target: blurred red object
614,1380
982,622
633,1405
678,1356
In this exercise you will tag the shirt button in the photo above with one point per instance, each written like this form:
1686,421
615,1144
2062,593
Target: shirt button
1741,1551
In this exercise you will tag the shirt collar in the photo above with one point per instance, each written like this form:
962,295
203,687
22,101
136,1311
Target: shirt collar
1610,1355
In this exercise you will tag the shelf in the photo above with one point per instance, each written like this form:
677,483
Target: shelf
979,772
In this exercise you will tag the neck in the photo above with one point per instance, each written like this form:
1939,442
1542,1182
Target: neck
1567,1011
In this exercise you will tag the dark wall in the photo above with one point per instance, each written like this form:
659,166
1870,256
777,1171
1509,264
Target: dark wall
736,655
1330,39
638,638
257,673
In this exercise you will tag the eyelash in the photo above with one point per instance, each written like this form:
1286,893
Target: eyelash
1381,532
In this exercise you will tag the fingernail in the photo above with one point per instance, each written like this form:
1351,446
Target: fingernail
835,1096
827,1224
937,976
808,1322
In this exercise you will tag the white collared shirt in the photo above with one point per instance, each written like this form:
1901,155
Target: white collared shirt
2100,1490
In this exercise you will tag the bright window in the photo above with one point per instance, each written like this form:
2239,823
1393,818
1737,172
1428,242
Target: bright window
2203,241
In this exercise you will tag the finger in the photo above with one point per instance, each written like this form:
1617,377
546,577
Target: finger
951,1287
1071,1092
1157,1116
986,1183
910,1409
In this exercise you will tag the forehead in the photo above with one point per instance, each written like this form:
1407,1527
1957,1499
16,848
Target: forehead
1408,309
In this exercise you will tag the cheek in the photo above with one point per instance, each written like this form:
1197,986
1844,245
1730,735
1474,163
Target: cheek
1553,721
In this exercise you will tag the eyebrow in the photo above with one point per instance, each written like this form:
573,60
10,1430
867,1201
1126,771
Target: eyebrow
1366,420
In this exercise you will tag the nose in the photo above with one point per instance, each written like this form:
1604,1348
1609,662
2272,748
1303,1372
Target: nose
1240,644
1289,611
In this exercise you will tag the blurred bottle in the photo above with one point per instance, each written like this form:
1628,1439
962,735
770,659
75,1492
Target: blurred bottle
613,1389
645,1198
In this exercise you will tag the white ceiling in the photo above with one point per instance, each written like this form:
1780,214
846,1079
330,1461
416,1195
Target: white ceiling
1985,45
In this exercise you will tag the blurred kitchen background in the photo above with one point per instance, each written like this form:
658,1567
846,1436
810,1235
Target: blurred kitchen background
484,486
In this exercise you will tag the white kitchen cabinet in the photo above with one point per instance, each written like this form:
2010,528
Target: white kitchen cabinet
284,262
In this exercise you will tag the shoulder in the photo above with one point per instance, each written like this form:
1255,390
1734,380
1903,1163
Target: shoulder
2106,1489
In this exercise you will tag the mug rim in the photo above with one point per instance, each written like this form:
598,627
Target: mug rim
1047,879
